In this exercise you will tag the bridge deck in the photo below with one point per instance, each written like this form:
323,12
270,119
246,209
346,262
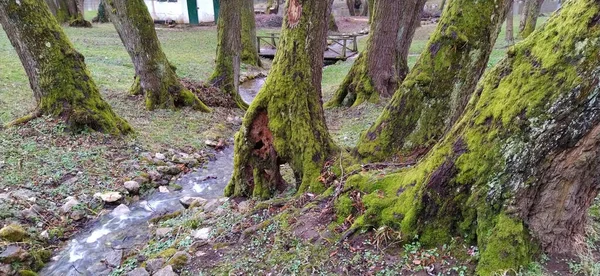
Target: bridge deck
340,47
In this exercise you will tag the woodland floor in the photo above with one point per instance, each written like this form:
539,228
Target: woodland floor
42,163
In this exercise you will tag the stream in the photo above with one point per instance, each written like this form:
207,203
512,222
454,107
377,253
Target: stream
99,249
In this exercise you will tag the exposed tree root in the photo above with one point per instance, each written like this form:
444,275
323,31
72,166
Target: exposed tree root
33,115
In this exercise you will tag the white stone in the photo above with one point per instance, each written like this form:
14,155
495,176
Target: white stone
187,201
109,196
132,186
68,206
121,210
160,156
163,189
202,234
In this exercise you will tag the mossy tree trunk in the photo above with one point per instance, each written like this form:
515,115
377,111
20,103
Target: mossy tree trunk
155,77
510,36
382,65
518,172
434,94
227,69
531,12
58,76
332,27
68,11
249,40
285,123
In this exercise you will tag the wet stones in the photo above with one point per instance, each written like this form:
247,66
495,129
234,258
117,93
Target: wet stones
121,210
169,170
188,201
12,254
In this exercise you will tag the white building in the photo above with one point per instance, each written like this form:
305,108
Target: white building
182,11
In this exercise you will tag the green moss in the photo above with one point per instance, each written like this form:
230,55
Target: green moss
343,208
178,261
40,257
166,216
508,246
13,233
165,254
27,273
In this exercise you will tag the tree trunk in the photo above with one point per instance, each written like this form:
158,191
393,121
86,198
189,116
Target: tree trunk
286,123
102,16
58,76
510,37
434,94
366,10
155,77
68,11
227,70
332,27
372,75
351,10
272,7
529,18
249,40
518,172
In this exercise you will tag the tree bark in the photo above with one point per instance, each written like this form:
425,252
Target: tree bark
249,40
155,77
510,37
435,92
367,9
102,16
227,70
285,123
529,18
518,172
351,10
332,26
68,11
374,75
57,73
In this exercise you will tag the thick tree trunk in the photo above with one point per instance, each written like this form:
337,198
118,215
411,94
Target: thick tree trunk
249,40
155,77
68,11
102,16
227,70
510,37
351,10
434,94
529,18
58,76
286,123
520,169
383,64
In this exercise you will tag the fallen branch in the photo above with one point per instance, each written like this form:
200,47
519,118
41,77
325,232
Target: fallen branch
33,115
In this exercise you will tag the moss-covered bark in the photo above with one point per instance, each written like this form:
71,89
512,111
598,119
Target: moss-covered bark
68,11
285,123
58,76
155,77
382,65
510,36
518,171
434,94
531,12
227,69
249,40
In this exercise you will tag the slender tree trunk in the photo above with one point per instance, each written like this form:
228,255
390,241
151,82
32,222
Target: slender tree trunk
518,172
227,70
367,6
529,18
272,7
351,10
434,94
249,40
332,27
68,11
57,73
372,75
155,77
286,123
510,37
102,16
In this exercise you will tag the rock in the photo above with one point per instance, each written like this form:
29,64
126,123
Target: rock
142,179
113,258
244,206
121,210
154,175
109,197
166,271
4,196
23,195
6,269
211,143
70,181
170,170
202,234
13,253
30,213
13,233
179,260
212,205
140,271
132,186
45,235
188,201
160,156
77,215
163,189
161,232
154,265
68,206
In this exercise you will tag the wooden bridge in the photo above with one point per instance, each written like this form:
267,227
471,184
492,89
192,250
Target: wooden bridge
339,47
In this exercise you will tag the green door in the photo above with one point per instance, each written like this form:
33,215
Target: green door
193,12
216,9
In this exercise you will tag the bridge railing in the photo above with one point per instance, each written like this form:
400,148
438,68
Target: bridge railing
342,45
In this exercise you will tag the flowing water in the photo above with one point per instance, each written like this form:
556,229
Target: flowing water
99,249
